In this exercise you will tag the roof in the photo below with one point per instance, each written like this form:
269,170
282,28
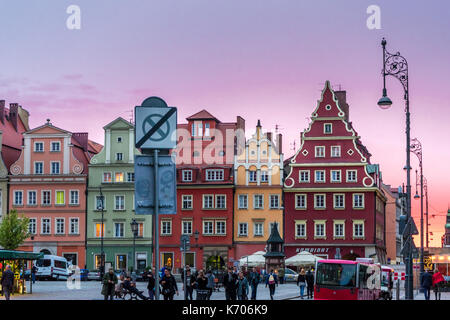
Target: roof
338,261
14,254
275,235
202,115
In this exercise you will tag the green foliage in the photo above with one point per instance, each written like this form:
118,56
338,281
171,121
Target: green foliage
13,230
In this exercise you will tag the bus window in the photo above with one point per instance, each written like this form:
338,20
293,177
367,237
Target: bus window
43,263
336,275
60,264
363,276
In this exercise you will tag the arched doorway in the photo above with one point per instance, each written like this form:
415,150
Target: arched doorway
215,263
45,251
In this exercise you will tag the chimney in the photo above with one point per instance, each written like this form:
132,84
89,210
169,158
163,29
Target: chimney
258,130
341,95
14,114
280,143
240,123
2,111
82,139
269,136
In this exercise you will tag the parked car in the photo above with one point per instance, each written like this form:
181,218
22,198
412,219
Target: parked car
290,275
52,267
93,275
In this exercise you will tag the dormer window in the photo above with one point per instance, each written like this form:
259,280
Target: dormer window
186,175
327,128
207,131
214,175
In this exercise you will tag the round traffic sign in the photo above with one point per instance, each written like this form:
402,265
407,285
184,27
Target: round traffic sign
161,133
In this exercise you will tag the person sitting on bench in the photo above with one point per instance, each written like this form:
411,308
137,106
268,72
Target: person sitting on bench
132,289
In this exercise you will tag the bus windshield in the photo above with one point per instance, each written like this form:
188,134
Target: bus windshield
336,275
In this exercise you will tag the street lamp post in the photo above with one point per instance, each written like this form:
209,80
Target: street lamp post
416,148
101,206
396,65
134,228
425,189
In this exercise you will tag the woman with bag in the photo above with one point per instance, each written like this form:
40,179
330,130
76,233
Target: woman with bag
169,285
301,282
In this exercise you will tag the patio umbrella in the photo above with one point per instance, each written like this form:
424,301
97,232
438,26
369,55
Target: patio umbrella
254,260
303,258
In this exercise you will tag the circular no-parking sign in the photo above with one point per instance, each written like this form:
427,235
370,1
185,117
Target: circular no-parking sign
161,133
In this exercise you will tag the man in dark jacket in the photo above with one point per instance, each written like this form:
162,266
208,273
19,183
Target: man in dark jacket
254,280
7,282
310,284
109,284
230,281
190,280
426,283
169,285
151,285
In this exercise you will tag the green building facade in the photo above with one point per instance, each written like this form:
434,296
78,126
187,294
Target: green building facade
111,171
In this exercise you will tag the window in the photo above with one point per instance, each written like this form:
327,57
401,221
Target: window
335,151
327,128
186,175
193,130
258,229
300,229
208,227
220,227
339,229
32,226
358,229
243,229
46,198
186,202
55,146
258,201
55,167
351,176
214,174
45,226
200,129
300,201
243,201
60,198
130,176
118,177
339,201
38,147
319,201
207,133
18,198
335,175
119,156
166,227
32,198
319,176
319,229
119,139
208,201
118,230
304,175
107,177
74,226
358,201
264,176
187,227
74,197
98,230
59,227
140,230
221,201
252,176
119,203
38,168
320,151
274,201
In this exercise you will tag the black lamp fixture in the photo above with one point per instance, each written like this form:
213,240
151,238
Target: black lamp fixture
385,102
134,227
196,235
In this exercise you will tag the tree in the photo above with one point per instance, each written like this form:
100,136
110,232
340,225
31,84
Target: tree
13,230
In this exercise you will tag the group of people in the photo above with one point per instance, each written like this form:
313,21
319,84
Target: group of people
435,281
306,280
203,283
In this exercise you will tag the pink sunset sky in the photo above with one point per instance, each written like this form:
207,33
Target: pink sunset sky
260,59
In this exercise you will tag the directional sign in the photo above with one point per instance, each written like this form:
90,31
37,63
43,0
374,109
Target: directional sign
144,172
410,228
156,125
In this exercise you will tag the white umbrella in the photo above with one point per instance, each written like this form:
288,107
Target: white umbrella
303,258
254,260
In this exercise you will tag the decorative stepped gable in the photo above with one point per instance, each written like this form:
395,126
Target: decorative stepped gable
328,111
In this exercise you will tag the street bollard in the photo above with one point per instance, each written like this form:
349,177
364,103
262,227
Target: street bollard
398,290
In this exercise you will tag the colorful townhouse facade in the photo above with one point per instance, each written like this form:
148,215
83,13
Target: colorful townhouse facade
48,185
393,212
111,174
334,205
205,194
258,182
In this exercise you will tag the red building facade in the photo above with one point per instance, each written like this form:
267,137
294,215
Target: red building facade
334,206
205,189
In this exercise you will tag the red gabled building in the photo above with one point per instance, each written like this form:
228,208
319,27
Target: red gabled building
334,205
205,156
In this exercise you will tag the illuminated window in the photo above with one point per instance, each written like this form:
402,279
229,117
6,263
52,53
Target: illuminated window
119,177
98,230
107,177
60,199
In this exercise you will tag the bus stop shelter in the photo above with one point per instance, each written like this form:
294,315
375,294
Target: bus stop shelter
18,260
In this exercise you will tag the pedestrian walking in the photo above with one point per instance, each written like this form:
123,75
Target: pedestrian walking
151,285
230,281
242,288
7,282
190,282
272,282
169,285
109,284
438,281
201,284
310,283
426,283
281,275
33,273
301,282
211,283
255,279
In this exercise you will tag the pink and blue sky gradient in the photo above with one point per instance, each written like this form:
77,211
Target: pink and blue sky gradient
258,59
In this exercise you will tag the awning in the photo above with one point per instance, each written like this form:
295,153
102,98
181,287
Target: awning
24,255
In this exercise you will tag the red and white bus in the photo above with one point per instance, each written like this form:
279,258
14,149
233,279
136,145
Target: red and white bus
347,280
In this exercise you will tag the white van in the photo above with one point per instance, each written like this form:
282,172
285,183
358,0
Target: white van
52,267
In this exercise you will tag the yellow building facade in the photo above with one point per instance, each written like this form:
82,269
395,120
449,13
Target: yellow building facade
258,192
